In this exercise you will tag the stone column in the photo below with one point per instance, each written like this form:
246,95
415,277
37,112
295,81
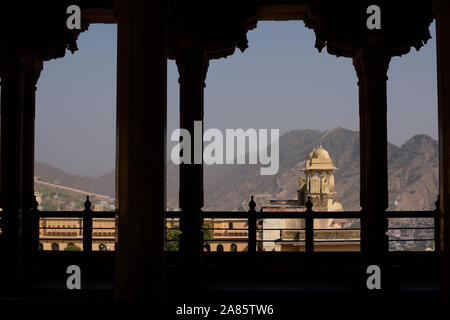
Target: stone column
443,72
12,168
141,148
31,239
371,67
192,67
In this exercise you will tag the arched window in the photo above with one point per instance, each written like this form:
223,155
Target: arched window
102,247
233,247
55,246
220,248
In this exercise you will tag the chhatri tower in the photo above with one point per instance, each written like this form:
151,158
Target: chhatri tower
316,182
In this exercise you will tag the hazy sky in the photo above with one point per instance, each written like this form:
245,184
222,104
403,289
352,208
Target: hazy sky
280,81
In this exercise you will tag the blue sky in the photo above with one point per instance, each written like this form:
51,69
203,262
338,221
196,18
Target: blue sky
280,81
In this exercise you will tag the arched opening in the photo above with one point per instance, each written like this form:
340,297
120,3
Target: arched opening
75,144
413,149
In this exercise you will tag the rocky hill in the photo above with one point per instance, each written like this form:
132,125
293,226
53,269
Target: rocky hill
413,174
104,184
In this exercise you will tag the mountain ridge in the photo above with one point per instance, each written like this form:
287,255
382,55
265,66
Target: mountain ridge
413,174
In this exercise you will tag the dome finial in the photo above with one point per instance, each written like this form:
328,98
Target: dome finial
319,159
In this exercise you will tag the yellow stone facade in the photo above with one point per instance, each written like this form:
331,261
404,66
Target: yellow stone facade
317,183
228,235
59,233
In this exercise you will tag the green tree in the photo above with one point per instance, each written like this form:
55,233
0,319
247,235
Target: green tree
172,238
72,248
48,206
207,232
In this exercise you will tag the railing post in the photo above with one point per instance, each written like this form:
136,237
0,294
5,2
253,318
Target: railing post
437,226
252,227
309,227
87,226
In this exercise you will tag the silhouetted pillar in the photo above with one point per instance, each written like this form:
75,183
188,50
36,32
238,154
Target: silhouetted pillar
141,148
371,67
30,237
192,67
443,73
19,75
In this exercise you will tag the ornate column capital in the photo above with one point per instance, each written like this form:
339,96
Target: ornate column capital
31,78
20,69
217,29
371,63
14,69
192,66
341,27
33,73
39,31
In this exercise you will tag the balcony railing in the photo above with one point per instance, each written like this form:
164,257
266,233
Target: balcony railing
309,238
249,231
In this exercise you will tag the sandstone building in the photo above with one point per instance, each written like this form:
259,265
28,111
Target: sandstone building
317,184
